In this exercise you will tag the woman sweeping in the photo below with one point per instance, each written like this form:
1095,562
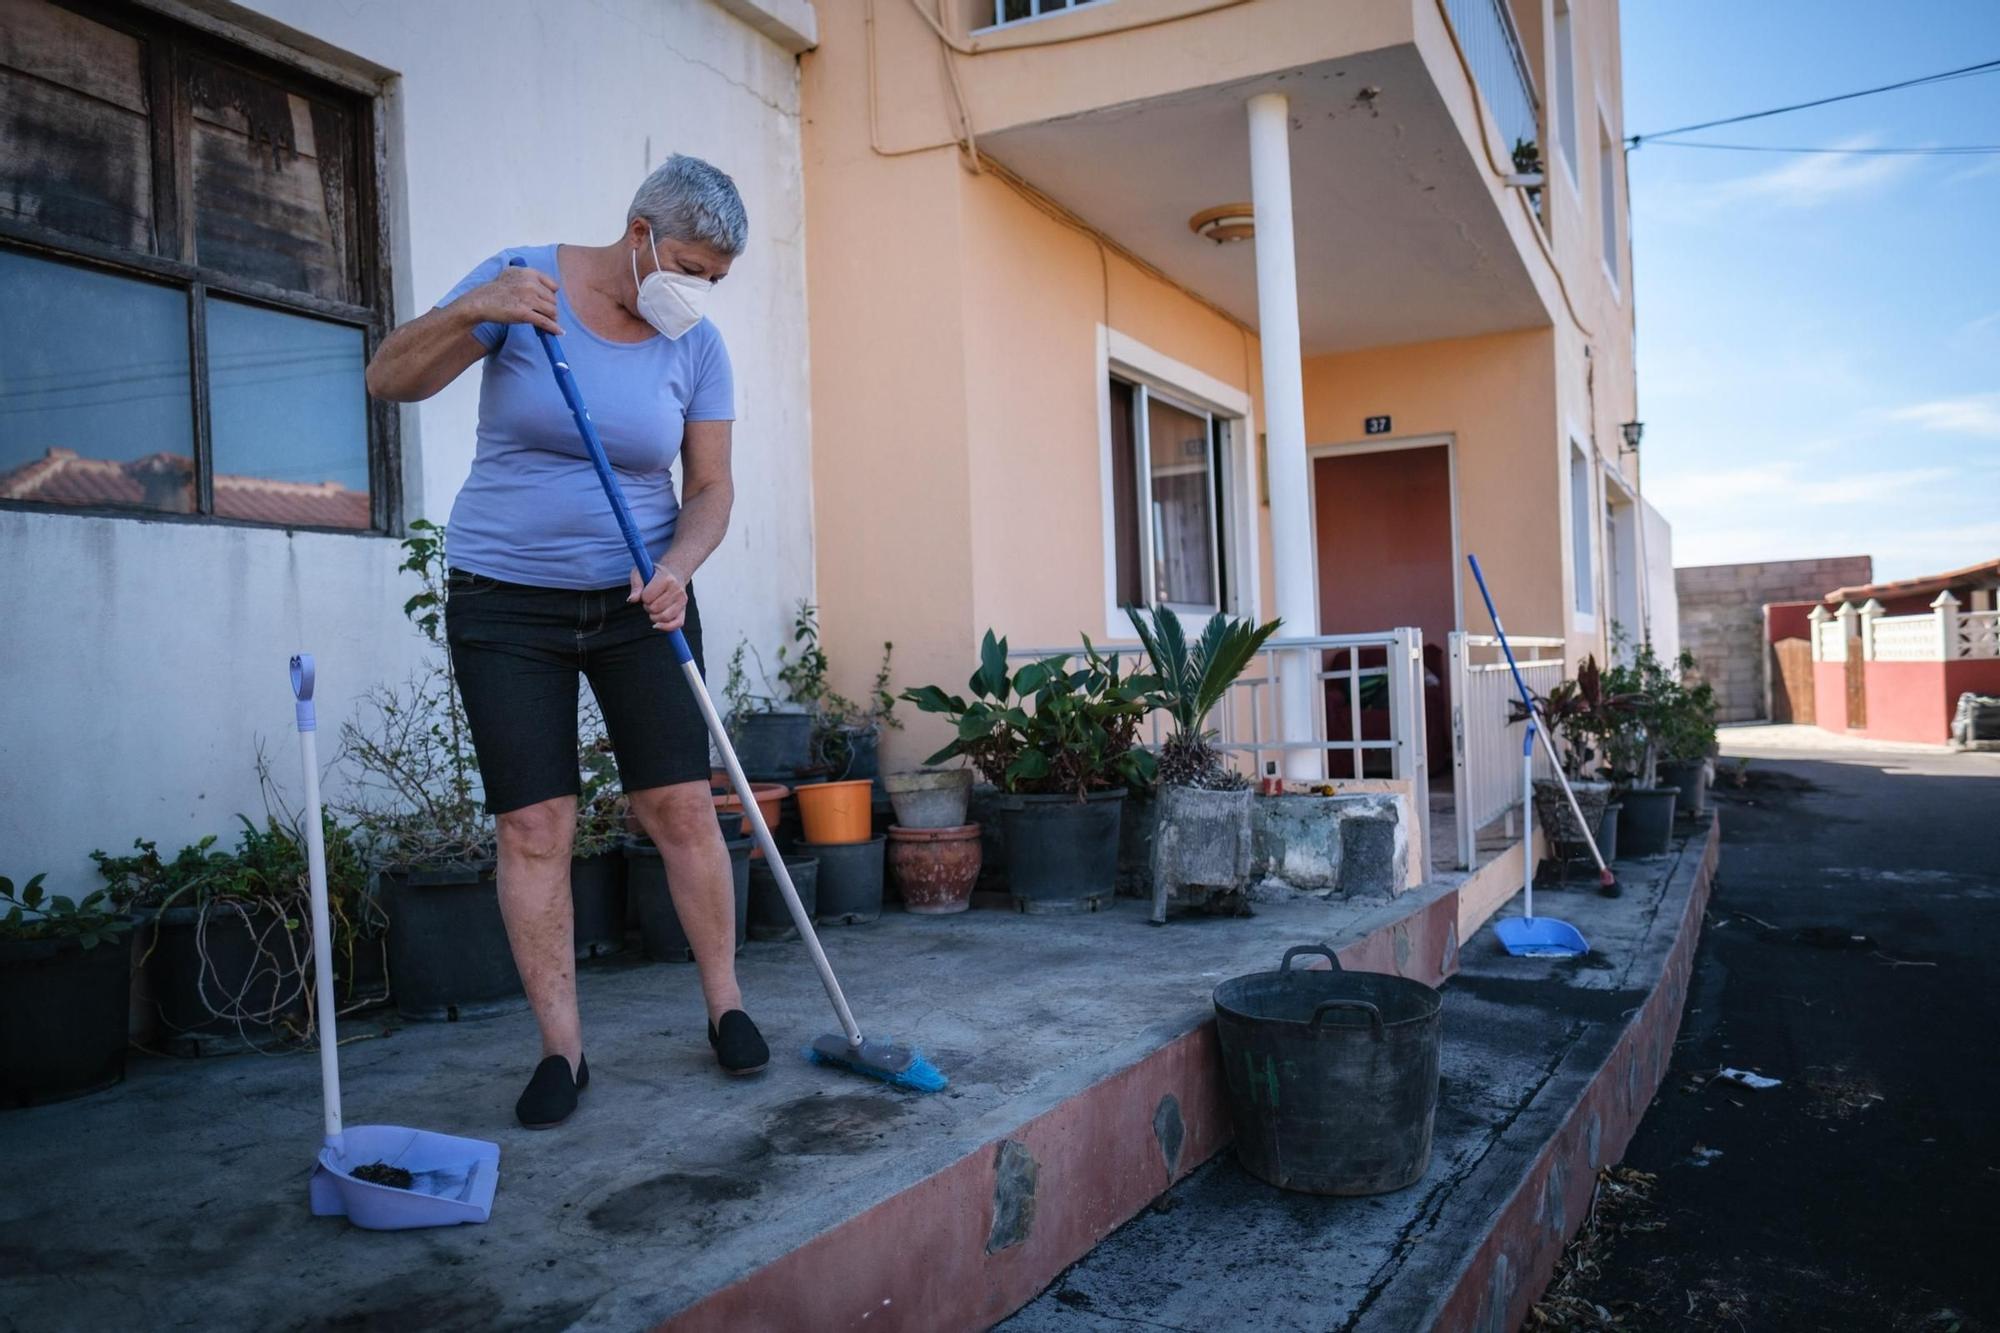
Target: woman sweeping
541,590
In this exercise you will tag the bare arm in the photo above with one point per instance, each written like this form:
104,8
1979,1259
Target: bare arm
707,495
431,351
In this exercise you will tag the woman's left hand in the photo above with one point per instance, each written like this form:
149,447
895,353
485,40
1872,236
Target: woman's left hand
665,598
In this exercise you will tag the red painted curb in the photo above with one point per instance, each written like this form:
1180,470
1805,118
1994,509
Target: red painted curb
1512,1266
934,1256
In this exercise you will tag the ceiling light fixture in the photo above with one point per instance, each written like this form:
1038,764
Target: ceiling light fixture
1225,223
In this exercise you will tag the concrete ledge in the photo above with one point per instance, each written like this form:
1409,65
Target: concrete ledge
1583,1121
1547,1066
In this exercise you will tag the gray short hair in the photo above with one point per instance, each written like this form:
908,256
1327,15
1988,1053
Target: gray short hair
686,199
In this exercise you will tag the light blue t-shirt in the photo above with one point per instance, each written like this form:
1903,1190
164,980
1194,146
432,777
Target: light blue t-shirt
532,510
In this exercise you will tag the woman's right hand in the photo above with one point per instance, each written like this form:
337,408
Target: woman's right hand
520,295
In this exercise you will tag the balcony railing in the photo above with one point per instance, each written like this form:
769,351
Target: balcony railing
1492,48
1485,744
1009,12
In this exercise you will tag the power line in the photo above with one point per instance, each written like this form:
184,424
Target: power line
1984,67
1949,150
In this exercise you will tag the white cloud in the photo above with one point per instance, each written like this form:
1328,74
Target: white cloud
1768,488
1973,414
1808,180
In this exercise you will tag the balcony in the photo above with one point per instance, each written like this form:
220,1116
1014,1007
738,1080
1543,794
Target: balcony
1405,231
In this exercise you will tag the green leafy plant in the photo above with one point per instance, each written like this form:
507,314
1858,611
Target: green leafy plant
803,685
413,778
600,805
1586,716
35,914
1050,727
1193,678
1668,719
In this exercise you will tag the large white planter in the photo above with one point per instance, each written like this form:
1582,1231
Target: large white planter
930,797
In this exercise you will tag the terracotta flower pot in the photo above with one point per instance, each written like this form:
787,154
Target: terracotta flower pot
836,812
935,868
768,795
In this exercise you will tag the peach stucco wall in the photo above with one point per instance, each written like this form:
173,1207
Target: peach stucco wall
1494,398
956,331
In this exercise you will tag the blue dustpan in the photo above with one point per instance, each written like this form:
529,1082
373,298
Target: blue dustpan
451,1179
1540,937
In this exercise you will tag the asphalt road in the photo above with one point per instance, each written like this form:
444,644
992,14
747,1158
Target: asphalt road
1864,1191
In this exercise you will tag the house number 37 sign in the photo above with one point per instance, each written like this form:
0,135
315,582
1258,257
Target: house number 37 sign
1375,425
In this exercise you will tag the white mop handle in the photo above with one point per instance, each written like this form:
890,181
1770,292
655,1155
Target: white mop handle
1528,823
1589,838
772,858
322,929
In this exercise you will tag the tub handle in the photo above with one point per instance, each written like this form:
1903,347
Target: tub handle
1325,1007
1319,950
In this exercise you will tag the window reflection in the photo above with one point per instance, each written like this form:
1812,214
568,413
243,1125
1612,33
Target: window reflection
94,400
288,415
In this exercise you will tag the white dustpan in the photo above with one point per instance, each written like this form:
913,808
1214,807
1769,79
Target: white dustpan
451,1179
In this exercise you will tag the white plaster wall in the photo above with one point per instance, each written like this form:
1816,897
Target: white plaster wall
141,660
1663,606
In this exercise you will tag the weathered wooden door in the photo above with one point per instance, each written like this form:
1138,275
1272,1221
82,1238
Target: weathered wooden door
1857,687
1792,681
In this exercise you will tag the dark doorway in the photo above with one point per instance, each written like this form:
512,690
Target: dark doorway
1382,529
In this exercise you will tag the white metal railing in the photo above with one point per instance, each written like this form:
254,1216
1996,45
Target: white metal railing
1006,13
1368,714
1492,47
1901,639
1485,741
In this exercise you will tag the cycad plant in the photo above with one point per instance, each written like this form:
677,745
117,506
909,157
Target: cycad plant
1192,678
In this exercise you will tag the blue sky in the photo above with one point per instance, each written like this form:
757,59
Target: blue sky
1819,336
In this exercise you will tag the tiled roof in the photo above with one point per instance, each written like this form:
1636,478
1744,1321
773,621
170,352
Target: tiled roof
165,482
1986,571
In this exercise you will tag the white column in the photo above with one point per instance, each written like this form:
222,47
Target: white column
1849,630
1871,611
1946,610
1292,556
1818,616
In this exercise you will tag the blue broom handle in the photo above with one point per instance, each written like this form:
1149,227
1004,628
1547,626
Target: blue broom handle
565,381
1527,699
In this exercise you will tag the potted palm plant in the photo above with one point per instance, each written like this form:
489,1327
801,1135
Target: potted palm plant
1060,741
65,976
1201,839
413,794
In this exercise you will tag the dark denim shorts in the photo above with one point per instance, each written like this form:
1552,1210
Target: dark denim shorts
518,652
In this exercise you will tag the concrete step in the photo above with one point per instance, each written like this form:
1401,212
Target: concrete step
1547,1067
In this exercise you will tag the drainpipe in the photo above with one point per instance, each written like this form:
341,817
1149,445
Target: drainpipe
1293,562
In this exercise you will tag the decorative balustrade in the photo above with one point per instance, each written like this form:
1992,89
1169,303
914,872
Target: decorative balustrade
1944,634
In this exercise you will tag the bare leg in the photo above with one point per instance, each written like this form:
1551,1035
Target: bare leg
535,844
681,822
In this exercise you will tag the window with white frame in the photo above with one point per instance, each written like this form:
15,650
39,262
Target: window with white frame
1000,13
1607,197
1564,129
1168,477
1580,522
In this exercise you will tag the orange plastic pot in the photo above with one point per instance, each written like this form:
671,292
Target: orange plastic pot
768,796
836,812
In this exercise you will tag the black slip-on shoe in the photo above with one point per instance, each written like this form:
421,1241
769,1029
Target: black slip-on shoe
551,1093
739,1046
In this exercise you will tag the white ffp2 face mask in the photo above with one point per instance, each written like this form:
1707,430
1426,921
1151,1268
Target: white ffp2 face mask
670,302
